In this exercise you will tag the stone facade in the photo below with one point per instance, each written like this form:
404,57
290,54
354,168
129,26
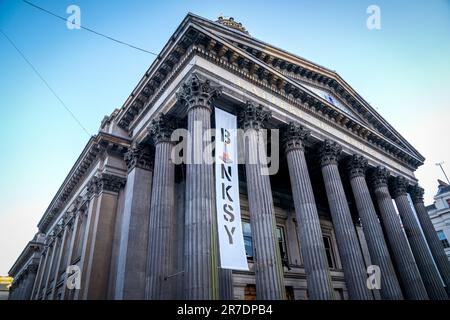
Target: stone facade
130,222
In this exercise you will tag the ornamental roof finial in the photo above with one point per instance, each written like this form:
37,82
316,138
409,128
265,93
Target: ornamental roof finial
230,23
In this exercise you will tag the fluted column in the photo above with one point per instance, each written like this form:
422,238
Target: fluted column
430,275
38,275
161,266
95,271
268,268
379,253
60,256
42,267
29,281
310,234
412,284
51,261
436,247
134,227
201,260
226,284
74,223
349,248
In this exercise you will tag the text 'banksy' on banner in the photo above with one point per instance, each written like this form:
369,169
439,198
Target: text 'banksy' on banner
229,225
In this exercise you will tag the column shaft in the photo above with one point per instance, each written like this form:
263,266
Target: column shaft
68,262
312,248
162,251
430,275
268,268
38,276
436,247
379,253
349,248
58,262
201,260
269,272
134,228
412,284
96,274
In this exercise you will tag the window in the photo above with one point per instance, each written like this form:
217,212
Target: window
329,252
448,202
247,231
282,246
443,239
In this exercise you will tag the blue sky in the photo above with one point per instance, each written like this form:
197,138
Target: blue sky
402,70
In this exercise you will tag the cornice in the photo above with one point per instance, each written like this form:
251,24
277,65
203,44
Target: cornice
97,145
25,257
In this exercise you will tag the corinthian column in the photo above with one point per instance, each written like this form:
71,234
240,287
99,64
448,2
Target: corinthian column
430,234
413,287
430,275
95,274
162,252
379,253
30,278
349,249
268,268
310,234
201,260
134,229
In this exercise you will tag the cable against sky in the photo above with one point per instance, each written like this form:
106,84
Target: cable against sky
46,83
89,29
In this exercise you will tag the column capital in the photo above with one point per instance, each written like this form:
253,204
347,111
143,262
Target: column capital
329,152
416,193
197,92
357,166
293,136
110,182
91,187
398,186
253,116
138,156
161,128
379,177
32,268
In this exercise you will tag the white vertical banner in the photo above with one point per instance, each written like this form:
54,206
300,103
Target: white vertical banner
229,225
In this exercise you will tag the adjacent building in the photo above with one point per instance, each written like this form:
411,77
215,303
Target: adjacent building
439,213
130,222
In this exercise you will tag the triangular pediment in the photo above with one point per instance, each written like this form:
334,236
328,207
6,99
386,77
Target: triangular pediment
323,83
301,82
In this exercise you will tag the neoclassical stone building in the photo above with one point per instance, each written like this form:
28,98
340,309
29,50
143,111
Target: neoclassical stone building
137,225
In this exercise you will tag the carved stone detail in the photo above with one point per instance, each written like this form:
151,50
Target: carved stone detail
379,177
398,186
416,193
329,152
91,188
357,166
161,128
293,136
109,182
138,156
198,93
32,268
254,116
